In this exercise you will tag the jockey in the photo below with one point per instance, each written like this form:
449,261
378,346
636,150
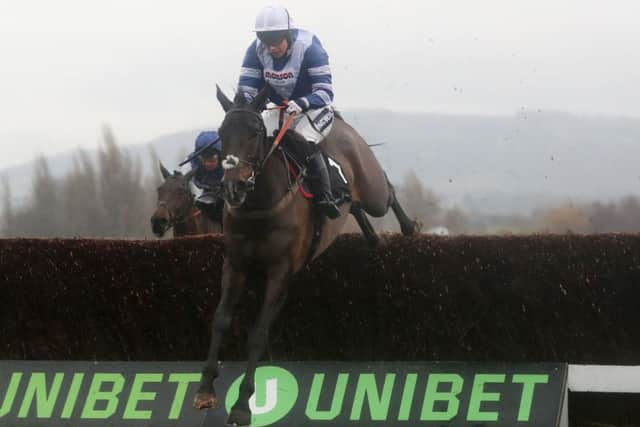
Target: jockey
207,173
295,66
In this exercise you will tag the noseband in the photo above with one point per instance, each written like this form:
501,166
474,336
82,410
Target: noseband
232,162
180,217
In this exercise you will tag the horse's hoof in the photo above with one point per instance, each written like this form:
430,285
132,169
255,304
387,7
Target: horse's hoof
239,418
205,400
413,227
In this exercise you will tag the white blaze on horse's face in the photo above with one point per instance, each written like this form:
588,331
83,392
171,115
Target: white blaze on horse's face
237,180
230,162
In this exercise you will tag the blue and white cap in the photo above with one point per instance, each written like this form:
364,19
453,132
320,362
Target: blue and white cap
274,18
208,139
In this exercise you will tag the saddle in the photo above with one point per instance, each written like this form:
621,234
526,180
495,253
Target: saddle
295,151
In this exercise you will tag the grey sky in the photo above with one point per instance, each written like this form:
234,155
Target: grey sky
149,67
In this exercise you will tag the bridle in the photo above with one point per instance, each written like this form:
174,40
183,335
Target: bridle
232,161
177,218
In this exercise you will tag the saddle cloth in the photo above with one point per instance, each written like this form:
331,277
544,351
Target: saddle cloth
339,184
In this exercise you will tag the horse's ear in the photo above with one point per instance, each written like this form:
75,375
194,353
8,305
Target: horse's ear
260,100
222,98
164,171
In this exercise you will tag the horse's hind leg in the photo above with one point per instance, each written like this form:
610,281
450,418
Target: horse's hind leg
365,225
407,226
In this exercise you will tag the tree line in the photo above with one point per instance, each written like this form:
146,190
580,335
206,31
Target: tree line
112,198
108,198
618,216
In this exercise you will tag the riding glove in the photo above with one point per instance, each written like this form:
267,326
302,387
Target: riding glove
293,107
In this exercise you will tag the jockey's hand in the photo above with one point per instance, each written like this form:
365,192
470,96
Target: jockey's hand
293,108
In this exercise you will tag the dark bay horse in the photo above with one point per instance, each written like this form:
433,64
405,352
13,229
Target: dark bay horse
268,227
175,208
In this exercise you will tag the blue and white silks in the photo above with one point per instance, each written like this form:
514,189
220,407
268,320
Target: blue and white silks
302,75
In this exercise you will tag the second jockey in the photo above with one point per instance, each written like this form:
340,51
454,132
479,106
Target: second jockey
207,174
295,66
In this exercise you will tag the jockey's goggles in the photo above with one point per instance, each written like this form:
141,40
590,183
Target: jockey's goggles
272,38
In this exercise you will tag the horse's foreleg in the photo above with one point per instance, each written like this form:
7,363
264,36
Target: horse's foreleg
232,285
407,226
275,296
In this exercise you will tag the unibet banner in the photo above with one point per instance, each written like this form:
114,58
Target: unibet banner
135,394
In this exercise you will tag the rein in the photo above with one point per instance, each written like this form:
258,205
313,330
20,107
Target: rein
173,219
256,167
177,218
276,141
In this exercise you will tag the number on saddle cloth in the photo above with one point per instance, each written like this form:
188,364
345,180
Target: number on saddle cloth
339,184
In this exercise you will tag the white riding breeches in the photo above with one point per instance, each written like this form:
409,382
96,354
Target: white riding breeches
313,125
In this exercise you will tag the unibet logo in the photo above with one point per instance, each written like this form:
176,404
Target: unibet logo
276,392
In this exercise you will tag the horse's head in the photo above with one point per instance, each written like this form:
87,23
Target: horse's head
175,201
244,144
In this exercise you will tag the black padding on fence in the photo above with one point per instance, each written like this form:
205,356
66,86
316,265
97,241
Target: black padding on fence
535,298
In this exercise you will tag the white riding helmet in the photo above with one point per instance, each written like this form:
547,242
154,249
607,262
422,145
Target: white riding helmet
274,18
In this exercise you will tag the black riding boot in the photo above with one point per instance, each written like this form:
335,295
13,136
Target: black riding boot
322,185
